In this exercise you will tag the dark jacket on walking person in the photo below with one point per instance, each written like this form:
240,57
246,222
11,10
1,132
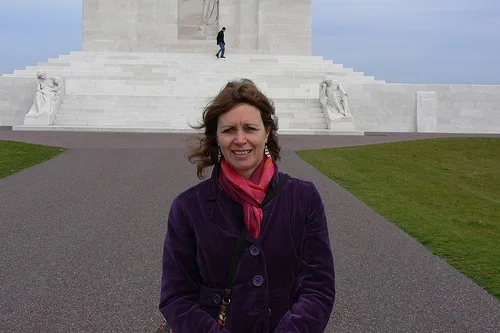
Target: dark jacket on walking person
220,36
284,278
221,43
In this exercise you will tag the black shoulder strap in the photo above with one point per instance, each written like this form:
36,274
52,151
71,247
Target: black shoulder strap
238,251
226,297
276,189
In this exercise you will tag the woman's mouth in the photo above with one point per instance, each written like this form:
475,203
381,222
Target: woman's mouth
241,152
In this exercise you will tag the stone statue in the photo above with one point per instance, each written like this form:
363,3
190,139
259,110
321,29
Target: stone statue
47,96
210,11
333,98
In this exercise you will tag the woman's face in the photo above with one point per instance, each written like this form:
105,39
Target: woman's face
242,136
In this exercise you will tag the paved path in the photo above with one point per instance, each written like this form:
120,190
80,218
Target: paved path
81,239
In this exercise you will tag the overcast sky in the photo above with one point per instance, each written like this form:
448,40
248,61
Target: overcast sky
412,41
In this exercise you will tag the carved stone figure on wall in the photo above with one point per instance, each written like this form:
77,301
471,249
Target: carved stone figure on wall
47,96
210,11
333,98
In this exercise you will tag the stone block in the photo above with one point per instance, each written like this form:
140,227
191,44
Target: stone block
462,88
426,114
437,87
493,97
469,112
395,88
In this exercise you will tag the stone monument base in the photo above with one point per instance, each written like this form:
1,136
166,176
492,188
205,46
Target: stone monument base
344,124
41,120
166,92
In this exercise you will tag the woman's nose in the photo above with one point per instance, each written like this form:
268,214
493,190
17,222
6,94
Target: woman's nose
240,138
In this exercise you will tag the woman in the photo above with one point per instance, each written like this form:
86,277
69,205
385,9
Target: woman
284,279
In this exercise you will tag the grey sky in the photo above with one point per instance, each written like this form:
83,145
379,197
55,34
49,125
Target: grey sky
413,41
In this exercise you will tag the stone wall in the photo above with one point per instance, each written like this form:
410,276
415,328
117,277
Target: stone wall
157,23
285,26
128,25
390,107
266,26
191,20
16,98
109,25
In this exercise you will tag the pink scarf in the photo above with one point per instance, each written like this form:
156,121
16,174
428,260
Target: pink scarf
250,193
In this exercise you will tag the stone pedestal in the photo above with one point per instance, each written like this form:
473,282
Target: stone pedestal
341,124
42,120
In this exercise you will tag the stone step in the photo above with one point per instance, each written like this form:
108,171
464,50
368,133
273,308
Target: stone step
167,59
96,102
175,99
172,107
186,66
152,129
74,114
277,78
272,75
194,89
156,55
192,67
188,71
171,58
181,124
68,115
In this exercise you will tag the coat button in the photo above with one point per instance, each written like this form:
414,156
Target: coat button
254,250
216,298
258,280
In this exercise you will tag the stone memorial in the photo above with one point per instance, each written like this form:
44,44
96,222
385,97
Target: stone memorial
333,99
265,26
149,66
46,102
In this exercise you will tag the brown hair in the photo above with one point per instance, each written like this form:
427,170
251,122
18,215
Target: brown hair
235,93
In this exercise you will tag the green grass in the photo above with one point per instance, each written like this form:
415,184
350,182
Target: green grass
16,156
443,192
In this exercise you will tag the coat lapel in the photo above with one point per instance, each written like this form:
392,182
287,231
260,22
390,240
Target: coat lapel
224,212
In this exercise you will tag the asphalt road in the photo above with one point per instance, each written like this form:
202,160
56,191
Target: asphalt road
81,239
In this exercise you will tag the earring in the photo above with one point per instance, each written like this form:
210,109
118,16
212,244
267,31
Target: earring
219,154
266,151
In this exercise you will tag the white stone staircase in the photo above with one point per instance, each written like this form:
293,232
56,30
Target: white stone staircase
165,92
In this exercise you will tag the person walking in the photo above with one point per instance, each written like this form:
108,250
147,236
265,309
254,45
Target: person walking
221,43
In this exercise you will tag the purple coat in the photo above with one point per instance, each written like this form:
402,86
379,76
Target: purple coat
285,278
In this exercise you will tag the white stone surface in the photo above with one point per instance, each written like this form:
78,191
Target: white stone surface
16,98
140,86
265,26
152,91
383,107
426,111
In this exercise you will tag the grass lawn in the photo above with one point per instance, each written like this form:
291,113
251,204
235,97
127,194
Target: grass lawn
16,156
443,192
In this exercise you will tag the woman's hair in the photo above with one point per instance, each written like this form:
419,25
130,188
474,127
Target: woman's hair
235,93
